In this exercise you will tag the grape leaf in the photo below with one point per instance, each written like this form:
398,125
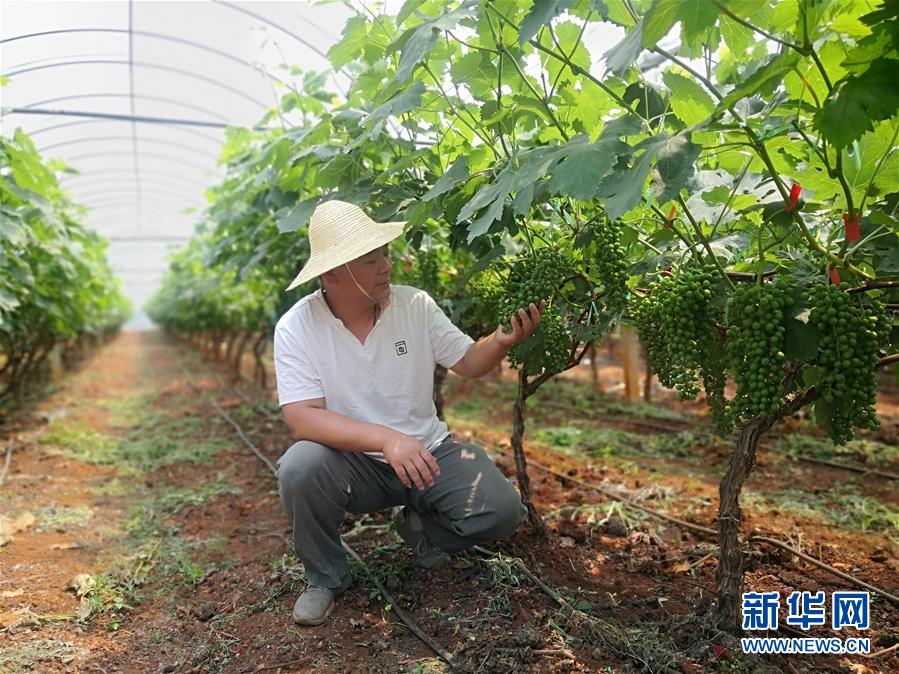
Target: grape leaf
674,167
584,165
454,174
658,20
296,217
689,100
857,101
620,57
769,75
542,12
624,186
695,16
344,51
491,198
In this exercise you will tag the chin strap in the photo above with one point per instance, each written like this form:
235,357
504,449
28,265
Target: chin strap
358,286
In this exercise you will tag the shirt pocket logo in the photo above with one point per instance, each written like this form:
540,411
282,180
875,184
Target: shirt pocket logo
401,349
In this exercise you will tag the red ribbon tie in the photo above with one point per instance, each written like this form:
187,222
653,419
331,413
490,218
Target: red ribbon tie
795,190
670,216
853,231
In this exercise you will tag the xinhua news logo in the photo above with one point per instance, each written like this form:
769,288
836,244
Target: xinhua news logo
761,611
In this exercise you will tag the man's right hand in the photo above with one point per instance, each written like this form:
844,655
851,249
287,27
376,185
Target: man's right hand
411,461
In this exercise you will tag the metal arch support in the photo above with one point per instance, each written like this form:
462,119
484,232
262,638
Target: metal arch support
126,174
190,199
115,178
142,64
84,198
162,99
98,121
107,217
154,141
124,118
118,238
89,189
53,127
125,195
126,241
171,204
271,23
146,33
115,210
296,37
98,139
155,155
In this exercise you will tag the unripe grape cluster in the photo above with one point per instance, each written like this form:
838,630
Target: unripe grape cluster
677,322
674,320
686,324
534,277
611,265
755,336
647,311
552,351
850,335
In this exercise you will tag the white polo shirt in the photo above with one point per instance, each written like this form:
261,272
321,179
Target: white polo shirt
388,380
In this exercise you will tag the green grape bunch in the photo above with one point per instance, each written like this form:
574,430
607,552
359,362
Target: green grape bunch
534,277
531,278
486,290
685,325
755,341
675,320
611,266
850,335
551,351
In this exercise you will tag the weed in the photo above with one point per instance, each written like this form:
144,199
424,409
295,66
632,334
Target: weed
868,452
287,565
114,487
127,411
180,563
427,666
640,410
594,442
568,394
80,442
111,595
23,657
174,500
468,408
61,517
166,441
597,514
843,505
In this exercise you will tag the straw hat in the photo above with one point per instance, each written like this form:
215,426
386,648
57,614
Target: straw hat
340,232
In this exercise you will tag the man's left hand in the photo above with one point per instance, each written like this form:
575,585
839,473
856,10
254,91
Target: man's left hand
523,326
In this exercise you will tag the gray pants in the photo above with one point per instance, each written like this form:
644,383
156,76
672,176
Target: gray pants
470,502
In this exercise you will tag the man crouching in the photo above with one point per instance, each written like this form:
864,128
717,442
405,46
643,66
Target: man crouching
354,364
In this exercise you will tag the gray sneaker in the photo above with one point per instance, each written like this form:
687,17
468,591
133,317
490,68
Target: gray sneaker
409,527
316,603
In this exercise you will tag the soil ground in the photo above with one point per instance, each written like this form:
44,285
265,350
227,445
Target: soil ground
139,534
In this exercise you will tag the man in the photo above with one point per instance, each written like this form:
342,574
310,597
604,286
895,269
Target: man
354,363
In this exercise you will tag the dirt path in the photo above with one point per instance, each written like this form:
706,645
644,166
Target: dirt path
126,481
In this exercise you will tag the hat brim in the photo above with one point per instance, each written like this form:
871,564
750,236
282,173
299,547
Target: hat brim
336,255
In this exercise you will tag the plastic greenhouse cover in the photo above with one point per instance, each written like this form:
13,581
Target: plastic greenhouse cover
103,64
